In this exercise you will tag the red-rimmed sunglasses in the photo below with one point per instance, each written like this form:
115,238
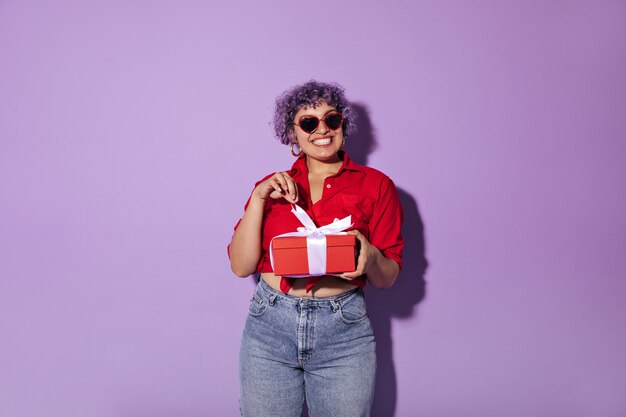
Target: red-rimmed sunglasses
310,123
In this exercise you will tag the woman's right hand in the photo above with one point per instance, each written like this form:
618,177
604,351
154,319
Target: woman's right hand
279,185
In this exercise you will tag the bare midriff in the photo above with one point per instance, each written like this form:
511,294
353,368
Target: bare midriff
328,286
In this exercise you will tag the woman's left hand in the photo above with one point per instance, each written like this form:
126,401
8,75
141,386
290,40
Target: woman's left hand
367,257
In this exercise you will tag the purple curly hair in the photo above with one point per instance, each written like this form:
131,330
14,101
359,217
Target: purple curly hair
310,94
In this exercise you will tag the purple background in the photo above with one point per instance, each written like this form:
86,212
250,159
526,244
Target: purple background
132,133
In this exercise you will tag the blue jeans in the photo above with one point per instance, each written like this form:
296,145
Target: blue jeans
319,347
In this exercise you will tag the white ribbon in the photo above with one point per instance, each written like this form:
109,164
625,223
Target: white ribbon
315,240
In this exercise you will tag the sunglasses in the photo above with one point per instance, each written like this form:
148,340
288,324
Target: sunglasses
310,123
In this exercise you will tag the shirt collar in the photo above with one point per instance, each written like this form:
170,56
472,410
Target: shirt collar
348,164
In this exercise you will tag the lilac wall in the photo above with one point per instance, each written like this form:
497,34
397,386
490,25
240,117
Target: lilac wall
132,132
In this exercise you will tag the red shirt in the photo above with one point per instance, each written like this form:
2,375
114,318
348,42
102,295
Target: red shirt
365,193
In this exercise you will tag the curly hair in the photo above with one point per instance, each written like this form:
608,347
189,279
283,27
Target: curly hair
310,94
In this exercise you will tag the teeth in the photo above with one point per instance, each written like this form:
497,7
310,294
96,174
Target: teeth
324,141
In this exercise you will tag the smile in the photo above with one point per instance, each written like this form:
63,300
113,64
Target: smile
321,141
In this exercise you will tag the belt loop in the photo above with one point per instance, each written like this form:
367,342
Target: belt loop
272,299
335,305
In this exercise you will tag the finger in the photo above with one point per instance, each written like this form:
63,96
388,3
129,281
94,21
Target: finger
273,182
360,270
356,233
291,181
289,198
292,190
276,186
288,185
289,190
352,275
280,179
345,276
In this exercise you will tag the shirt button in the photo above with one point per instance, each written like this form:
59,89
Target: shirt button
327,185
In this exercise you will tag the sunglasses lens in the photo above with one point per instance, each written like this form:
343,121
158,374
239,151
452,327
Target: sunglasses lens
309,124
333,121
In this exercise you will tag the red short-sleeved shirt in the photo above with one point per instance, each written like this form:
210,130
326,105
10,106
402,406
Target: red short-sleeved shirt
366,194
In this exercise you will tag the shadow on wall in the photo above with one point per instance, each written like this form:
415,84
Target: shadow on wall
410,288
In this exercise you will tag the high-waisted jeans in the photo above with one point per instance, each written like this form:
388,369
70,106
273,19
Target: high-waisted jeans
322,348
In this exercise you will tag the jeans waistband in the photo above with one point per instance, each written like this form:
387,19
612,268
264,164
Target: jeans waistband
310,300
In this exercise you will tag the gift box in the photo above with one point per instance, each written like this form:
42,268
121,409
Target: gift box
291,255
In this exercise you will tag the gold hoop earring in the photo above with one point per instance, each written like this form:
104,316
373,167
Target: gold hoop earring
294,153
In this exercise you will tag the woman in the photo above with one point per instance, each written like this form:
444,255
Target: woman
311,337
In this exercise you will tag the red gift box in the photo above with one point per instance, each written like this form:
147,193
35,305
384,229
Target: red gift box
290,255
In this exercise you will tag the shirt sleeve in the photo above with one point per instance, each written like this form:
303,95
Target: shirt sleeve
386,222
245,207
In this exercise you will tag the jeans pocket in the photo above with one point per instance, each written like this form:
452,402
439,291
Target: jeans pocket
257,305
353,310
